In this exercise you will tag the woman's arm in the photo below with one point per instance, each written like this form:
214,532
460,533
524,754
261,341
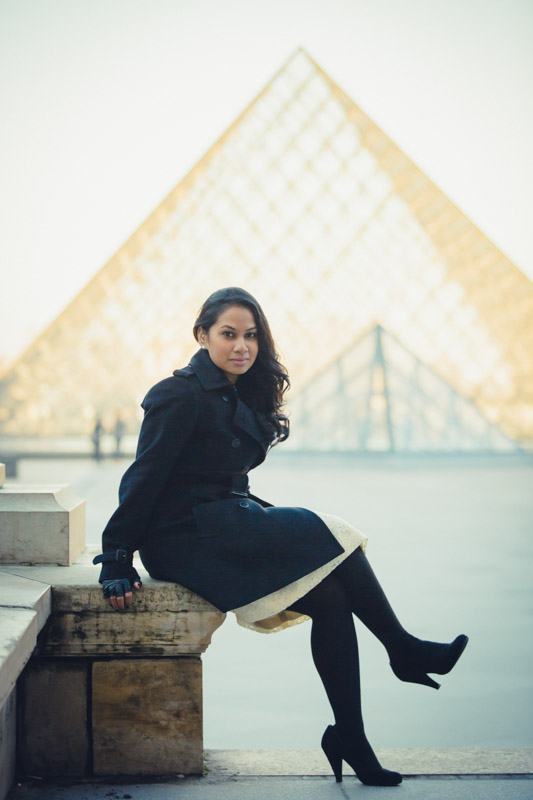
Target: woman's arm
171,412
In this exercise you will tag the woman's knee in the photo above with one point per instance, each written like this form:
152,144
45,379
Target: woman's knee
327,597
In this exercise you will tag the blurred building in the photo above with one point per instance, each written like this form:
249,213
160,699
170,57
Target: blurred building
402,325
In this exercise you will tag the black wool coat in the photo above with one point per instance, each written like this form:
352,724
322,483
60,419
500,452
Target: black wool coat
185,502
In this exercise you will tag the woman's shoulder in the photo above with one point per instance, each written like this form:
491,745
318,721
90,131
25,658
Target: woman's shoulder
181,385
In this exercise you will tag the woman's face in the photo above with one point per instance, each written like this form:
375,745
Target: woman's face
232,341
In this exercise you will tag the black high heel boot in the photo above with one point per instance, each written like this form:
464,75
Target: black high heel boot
421,657
360,757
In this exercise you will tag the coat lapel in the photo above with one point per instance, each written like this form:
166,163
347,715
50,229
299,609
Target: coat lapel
246,420
211,377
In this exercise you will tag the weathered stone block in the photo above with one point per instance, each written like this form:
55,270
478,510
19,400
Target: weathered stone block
7,743
147,716
52,721
164,619
40,524
19,634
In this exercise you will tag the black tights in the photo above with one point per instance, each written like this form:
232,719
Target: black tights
352,588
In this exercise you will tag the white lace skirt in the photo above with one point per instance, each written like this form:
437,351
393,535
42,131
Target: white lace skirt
268,614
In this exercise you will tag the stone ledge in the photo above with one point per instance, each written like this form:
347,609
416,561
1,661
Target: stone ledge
135,677
24,608
410,761
19,634
19,592
165,619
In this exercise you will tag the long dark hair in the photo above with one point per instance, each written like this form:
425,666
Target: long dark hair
265,383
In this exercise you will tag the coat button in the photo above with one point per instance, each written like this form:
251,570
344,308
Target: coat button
236,443
225,398
244,504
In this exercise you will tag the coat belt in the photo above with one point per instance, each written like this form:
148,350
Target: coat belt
237,480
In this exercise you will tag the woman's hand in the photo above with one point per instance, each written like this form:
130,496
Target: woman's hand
118,592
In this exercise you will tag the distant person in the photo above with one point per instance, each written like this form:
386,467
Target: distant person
185,504
119,429
96,438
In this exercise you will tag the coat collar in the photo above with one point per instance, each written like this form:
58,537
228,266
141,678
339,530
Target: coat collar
212,377
209,375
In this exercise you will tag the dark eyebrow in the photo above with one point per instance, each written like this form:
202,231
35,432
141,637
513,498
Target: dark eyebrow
253,328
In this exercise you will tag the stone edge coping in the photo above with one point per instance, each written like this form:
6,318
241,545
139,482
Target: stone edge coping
76,587
25,606
410,761
24,592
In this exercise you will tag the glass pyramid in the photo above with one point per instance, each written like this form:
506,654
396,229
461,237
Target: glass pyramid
377,396
306,203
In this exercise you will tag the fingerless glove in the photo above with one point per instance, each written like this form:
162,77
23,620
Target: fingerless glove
117,587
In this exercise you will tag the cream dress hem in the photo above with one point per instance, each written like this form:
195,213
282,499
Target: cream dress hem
268,614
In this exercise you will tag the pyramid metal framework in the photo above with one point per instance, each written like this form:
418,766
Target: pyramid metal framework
306,203
377,396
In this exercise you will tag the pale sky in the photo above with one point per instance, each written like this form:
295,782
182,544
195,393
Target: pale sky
106,104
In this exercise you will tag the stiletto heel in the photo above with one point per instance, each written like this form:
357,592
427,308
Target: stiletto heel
407,673
332,753
371,773
422,657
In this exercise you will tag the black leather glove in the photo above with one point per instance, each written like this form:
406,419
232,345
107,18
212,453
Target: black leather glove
118,587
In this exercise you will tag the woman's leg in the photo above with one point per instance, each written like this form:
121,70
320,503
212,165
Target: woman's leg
336,657
368,601
410,657
335,650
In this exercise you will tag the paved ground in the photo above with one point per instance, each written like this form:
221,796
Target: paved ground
285,788
442,774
